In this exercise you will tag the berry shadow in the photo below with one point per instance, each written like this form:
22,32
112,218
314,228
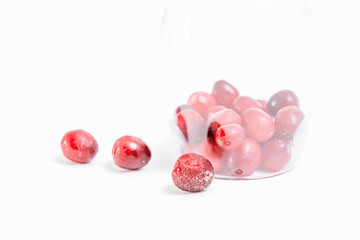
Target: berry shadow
172,190
59,159
111,167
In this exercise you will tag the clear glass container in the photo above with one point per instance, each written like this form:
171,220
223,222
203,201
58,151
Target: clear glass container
258,46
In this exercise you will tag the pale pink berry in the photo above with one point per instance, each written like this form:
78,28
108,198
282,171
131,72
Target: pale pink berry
230,136
282,99
209,149
224,93
276,154
244,102
202,101
287,120
244,160
258,124
211,111
221,118
192,125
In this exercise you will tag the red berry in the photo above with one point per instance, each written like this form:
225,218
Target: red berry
287,120
276,154
192,125
244,160
264,105
282,99
202,101
211,111
259,125
221,118
131,153
242,103
192,172
79,146
182,107
212,152
230,136
224,93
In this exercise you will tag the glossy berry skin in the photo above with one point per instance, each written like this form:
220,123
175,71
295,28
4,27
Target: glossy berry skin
244,160
276,154
192,173
282,99
243,103
215,154
287,120
131,153
211,111
79,146
183,107
264,105
202,101
224,93
258,124
192,125
230,136
221,118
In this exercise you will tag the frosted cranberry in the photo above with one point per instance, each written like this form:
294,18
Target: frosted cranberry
183,107
230,136
202,101
282,99
242,103
131,153
258,124
276,154
191,124
212,152
221,118
224,93
211,111
192,173
79,146
244,160
287,120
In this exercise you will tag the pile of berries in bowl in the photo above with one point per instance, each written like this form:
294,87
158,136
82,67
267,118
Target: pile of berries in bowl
243,137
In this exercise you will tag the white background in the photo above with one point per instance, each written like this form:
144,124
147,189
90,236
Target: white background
96,65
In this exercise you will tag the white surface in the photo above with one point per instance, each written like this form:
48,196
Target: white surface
95,65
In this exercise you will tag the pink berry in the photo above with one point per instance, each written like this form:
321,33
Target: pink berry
192,173
282,99
276,154
214,153
131,153
211,111
192,125
244,160
224,93
230,136
258,124
183,107
242,103
264,105
202,101
79,146
221,118
287,120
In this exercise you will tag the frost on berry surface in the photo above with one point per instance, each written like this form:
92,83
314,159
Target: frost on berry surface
192,173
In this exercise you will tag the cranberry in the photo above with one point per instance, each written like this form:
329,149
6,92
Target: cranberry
211,111
244,160
192,125
212,152
202,101
287,120
282,99
259,125
221,118
230,136
79,146
242,103
192,172
276,154
182,107
264,105
224,93
131,153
